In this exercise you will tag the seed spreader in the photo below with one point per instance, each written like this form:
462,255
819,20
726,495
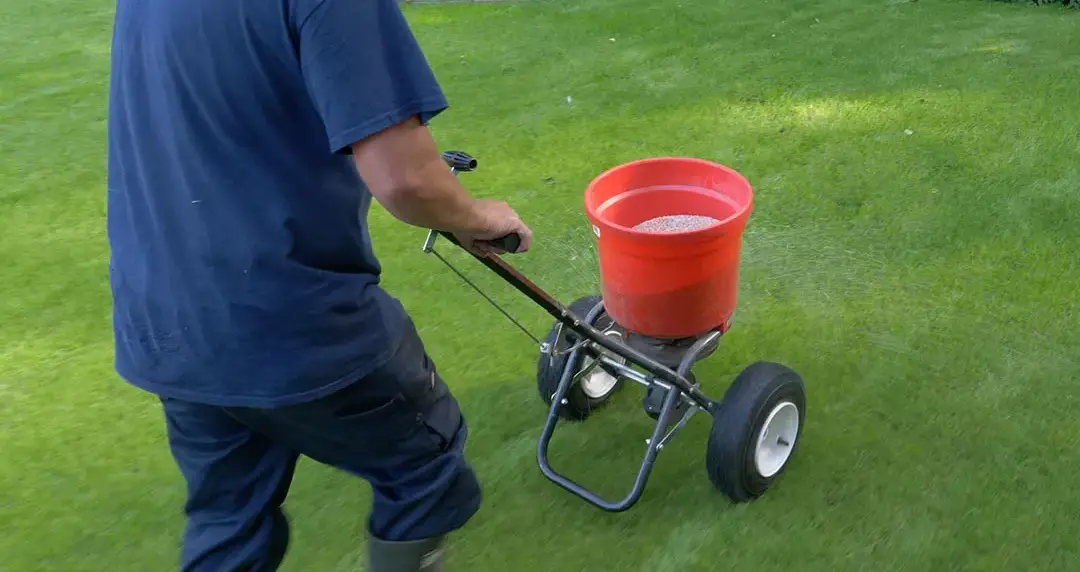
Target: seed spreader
668,233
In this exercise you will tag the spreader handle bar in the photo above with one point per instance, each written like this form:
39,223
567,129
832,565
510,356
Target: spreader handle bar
515,278
570,320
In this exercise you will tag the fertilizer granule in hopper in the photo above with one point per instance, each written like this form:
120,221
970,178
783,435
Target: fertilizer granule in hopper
675,223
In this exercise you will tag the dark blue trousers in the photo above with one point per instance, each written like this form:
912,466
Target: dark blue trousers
398,428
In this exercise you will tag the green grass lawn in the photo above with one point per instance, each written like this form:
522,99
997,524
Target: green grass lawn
913,253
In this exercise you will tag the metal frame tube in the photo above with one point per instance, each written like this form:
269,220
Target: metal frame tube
652,445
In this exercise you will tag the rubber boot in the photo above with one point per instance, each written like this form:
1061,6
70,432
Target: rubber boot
415,556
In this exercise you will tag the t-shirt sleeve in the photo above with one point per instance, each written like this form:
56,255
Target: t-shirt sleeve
364,69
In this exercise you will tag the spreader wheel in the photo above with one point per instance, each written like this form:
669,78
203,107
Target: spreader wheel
595,387
755,430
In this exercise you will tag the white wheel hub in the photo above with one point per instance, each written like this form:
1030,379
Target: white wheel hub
777,439
598,382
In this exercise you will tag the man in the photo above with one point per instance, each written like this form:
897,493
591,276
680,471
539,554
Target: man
246,141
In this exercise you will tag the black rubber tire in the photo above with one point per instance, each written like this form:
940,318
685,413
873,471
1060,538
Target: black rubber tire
548,371
738,421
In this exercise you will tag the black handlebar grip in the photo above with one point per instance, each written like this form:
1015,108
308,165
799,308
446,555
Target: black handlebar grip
460,160
509,243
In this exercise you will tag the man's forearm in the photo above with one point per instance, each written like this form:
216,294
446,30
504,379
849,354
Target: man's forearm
433,198
405,172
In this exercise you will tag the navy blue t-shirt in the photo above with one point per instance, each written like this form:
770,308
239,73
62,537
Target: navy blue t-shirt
242,270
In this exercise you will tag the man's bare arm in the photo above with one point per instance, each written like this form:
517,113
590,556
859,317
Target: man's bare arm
405,172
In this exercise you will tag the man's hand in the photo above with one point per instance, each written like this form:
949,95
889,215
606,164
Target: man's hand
502,221
405,172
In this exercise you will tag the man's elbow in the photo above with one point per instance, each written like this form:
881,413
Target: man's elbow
401,167
401,197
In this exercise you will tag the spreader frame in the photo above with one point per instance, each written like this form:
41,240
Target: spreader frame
682,397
